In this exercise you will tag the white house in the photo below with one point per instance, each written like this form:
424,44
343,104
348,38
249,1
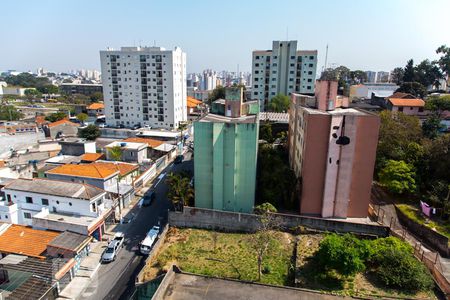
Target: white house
26,198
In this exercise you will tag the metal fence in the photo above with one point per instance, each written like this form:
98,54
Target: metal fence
431,259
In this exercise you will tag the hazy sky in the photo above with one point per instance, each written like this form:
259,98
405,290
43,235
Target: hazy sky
362,34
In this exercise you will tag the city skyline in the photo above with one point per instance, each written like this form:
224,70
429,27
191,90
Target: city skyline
210,32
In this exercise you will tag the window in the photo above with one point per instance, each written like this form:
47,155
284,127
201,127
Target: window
57,202
311,65
311,57
420,109
44,201
27,215
70,203
29,199
309,72
400,109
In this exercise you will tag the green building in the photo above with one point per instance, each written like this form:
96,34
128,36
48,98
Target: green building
226,146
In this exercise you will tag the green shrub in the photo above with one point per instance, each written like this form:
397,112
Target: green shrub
400,269
343,253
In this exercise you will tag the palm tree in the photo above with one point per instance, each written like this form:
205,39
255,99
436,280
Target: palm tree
180,192
115,153
182,127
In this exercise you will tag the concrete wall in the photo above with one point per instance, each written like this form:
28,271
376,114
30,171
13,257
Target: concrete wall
432,238
231,221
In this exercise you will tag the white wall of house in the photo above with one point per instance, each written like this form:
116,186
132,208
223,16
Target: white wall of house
27,208
101,183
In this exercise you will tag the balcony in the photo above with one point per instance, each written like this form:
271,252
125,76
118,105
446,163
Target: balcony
7,207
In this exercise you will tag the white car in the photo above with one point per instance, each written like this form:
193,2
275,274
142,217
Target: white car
111,251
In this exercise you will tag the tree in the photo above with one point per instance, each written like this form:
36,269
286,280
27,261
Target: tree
398,177
115,153
397,75
56,116
182,127
32,94
265,208
180,192
48,89
82,117
358,76
10,113
27,80
96,97
343,253
217,93
438,104
431,127
266,132
409,72
262,239
279,103
90,132
413,88
444,59
428,74
397,132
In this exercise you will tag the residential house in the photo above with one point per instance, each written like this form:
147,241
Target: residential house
412,107
76,146
116,178
61,128
96,109
130,151
26,199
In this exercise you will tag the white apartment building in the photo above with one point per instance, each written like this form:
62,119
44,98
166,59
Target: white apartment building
282,70
144,86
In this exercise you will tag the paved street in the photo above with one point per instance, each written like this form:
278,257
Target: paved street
115,280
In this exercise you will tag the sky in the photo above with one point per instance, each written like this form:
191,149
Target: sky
361,34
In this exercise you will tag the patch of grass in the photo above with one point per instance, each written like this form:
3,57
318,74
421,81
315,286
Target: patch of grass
227,255
414,214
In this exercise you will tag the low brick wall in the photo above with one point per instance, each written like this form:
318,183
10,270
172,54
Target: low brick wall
231,221
435,240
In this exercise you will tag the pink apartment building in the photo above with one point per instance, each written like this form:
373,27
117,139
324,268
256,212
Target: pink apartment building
332,151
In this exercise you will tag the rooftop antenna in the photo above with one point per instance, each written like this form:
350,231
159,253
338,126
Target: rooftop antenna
154,43
326,58
287,33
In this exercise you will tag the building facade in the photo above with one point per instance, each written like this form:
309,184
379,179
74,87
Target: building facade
226,145
144,86
282,70
332,152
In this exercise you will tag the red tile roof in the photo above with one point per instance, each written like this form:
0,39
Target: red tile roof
61,122
98,169
96,106
151,142
18,239
192,102
407,102
92,156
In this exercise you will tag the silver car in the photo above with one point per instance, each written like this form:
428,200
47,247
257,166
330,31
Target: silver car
111,252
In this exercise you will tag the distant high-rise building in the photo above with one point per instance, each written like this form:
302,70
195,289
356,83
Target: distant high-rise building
282,70
371,76
226,146
382,76
332,151
144,86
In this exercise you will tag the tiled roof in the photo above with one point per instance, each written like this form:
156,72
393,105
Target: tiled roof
400,95
151,142
92,156
40,120
98,169
407,102
55,187
192,102
61,122
69,240
24,240
123,168
96,106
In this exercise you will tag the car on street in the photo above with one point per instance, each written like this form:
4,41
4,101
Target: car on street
111,251
120,238
178,159
149,197
150,238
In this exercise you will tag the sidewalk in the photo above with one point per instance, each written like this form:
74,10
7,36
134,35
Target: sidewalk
89,266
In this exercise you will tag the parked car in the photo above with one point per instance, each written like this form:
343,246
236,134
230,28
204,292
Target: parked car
178,159
120,238
149,197
111,251
147,243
